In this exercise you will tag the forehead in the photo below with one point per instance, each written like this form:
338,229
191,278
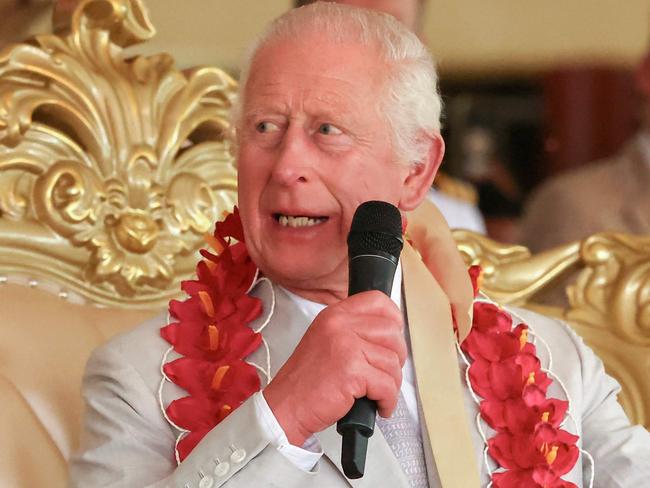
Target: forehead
334,71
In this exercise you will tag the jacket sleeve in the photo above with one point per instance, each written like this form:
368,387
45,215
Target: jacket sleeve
621,451
126,441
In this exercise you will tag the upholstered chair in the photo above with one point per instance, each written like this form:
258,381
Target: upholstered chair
112,170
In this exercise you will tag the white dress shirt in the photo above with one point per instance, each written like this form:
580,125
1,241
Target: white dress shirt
307,456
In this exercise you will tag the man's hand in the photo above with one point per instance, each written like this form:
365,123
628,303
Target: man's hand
352,349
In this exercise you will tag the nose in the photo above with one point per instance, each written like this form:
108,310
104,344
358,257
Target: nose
292,163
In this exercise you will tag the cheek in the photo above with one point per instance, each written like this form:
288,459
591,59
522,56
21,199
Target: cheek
250,173
370,182
250,183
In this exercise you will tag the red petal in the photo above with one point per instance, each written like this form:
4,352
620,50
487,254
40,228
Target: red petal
489,317
567,455
193,375
493,413
192,287
170,332
478,376
475,275
516,478
525,452
533,395
544,476
480,344
192,413
519,418
500,448
189,442
505,380
242,342
231,226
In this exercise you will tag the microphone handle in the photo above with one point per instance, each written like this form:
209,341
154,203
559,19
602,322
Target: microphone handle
367,272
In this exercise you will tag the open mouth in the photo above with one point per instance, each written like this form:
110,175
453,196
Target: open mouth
298,220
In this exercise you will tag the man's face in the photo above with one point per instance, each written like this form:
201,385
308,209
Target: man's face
312,147
406,11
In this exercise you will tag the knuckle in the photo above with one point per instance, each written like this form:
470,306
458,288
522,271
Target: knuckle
329,324
342,347
396,362
376,299
356,387
356,364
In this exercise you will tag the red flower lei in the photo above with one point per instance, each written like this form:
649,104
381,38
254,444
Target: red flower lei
211,333
506,373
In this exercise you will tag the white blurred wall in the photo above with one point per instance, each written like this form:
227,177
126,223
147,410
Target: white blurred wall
464,35
480,35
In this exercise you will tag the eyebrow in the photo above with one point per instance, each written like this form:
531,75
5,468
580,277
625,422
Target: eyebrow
274,106
332,106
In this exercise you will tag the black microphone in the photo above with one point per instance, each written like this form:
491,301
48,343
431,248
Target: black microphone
374,245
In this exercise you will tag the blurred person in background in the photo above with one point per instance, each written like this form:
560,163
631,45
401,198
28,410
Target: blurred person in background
499,195
607,195
457,205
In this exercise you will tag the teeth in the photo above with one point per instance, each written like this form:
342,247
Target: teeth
289,221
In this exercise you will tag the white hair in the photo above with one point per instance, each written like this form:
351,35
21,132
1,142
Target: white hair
411,102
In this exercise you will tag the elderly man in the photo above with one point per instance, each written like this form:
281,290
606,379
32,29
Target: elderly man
338,106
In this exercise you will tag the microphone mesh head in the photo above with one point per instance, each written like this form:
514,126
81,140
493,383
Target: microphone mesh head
376,226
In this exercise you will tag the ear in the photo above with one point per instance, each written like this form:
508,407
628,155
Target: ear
421,174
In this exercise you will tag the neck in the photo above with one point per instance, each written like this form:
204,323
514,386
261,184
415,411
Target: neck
324,296
324,289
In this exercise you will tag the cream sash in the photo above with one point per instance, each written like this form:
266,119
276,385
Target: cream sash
437,373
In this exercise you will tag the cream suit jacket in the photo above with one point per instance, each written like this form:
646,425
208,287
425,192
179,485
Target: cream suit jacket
128,443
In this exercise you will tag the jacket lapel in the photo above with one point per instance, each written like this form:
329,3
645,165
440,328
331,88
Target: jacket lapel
284,330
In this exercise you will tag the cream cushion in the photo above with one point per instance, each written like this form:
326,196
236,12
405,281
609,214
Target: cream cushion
45,344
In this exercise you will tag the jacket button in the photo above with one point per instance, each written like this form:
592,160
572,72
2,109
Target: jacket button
206,482
221,469
238,456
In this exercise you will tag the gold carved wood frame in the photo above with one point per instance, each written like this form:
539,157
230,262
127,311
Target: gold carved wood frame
111,169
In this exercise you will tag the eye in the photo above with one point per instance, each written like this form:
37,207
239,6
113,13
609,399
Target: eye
265,127
329,130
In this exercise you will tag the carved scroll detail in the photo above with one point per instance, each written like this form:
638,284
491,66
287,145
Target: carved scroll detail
111,168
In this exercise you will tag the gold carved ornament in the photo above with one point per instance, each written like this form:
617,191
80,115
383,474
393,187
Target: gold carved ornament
609,300
111,169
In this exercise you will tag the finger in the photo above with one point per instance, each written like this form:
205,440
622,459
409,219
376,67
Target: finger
371,302
385,336
381,388
384,360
